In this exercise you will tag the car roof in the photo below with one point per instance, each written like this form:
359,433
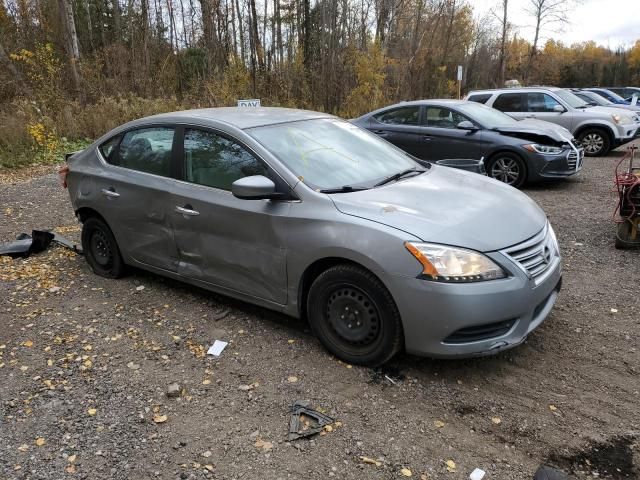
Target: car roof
235,116
514,89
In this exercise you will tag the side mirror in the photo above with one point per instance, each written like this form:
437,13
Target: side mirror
466,125
255,187
559,109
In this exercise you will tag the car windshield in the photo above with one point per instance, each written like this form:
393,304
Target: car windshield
595,98
615,96
571,99
486,116
330,153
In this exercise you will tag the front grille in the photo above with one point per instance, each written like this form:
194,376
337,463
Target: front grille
480,332
574,159
536,255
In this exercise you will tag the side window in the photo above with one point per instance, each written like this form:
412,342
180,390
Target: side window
215,161
147,150
400,116
108,149
540,102
439,117
480,97
508,102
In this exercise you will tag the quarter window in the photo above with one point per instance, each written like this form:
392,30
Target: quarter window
541,102
400,116
215,161
108,149
443,117
146,150
508,102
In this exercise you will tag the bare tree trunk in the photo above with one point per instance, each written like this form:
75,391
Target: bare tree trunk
256,37
241,28
503,42
73,50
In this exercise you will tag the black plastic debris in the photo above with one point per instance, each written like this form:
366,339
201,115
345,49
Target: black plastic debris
37,242
306,421
386,375
549,473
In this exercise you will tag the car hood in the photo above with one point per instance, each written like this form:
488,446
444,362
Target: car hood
531,128
449,206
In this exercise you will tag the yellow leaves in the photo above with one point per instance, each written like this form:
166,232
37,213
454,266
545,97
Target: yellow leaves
451,466
27,344
72,458
553,408
40,441
291,341
23,448
292,379
92,412
70,468
405,472
496,420
198,351
438,423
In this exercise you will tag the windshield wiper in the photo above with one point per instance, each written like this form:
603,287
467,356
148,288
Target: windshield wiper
343,189
398,176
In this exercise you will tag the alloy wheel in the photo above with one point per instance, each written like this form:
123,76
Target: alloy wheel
593,143
506,170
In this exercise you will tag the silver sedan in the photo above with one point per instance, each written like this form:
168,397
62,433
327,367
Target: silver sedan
310,215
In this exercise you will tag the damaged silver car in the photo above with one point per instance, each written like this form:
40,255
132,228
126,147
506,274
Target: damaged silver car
307,214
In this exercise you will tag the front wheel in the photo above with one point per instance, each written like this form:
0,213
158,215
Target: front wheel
595,141
354,316
507,168
101,250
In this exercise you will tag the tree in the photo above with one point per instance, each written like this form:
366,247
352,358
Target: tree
71,44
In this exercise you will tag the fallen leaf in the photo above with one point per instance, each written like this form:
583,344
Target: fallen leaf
206,381
70,469
263,444
292,379
371,461
209,467
553,408
451,466
72,458
290,341
439,424
406,472
496,420
92,412
159,418
328,428
28,344
23,448
614,310
40,441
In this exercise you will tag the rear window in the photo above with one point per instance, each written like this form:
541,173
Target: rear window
479,97
509,102
400,116
145,150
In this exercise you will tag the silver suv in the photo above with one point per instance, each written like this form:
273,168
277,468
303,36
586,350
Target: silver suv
599,129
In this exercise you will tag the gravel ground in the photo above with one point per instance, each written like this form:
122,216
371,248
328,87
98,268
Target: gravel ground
85,364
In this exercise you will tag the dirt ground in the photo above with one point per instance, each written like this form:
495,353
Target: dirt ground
85,365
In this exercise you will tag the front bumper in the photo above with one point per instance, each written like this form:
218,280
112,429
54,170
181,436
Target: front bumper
627,133
435,313
565,164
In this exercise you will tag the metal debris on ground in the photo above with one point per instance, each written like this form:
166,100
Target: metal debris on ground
306,421
37,242
386,375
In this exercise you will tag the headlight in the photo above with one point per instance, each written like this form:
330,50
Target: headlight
450,264
544,149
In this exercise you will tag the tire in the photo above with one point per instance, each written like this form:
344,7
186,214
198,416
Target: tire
596,142
623,235
101,249
507,168
354,316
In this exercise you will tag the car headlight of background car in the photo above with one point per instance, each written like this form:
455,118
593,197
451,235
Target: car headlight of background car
543,149
450,264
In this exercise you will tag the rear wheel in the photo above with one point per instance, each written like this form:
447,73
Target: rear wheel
623,235
507,168
596,142
101,250
354,316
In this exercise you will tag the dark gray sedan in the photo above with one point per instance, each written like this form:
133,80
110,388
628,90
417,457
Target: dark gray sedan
514,151
310,215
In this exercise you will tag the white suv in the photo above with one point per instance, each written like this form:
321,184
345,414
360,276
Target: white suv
599,129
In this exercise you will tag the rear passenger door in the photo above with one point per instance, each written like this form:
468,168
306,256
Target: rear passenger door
401,126
223,240
445,139
512,104
133,194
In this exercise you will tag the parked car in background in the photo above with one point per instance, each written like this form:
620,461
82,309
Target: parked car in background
514,152
626,92
609,95
307,214
598,129
595,99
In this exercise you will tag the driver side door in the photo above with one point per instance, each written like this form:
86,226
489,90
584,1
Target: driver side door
445,139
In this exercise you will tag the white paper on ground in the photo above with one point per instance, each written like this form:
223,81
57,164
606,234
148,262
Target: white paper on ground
477,474
217,348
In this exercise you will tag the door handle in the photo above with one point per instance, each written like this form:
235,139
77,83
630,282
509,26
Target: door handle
187,210
110,192
380,132
427,137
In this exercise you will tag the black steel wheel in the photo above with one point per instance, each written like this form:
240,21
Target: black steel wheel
507,168
101,250
595,142
354,315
